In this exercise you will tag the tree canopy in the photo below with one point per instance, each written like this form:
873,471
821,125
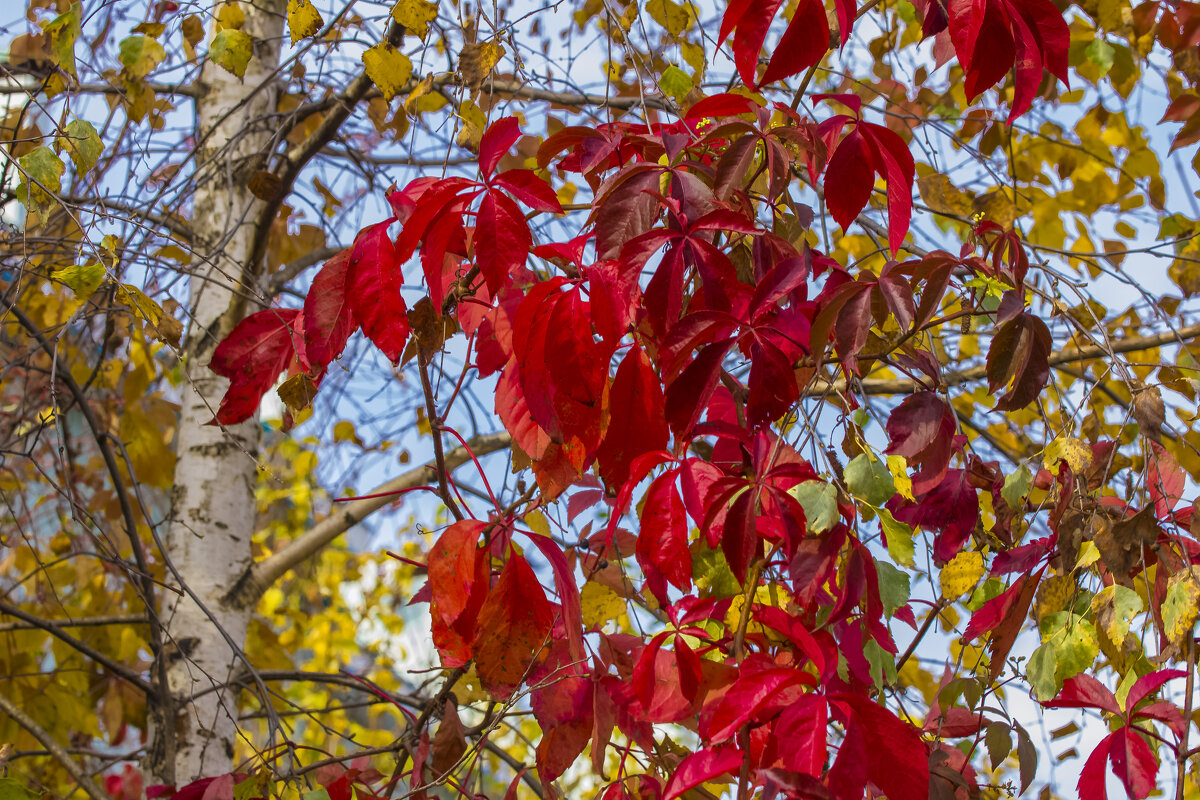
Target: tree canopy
613,399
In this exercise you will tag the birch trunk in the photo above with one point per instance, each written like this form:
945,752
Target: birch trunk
213,508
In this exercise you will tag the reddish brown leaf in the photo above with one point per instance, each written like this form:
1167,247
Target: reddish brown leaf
514,624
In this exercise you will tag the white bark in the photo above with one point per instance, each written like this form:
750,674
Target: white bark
213,509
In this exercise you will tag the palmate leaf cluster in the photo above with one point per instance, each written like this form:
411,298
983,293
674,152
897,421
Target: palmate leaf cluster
807,398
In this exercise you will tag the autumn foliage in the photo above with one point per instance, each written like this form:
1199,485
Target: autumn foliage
700,587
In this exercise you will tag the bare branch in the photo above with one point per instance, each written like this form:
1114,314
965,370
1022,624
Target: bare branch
84,780
259,577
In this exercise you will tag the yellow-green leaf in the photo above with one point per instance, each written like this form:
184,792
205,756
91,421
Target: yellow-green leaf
1074,640
41,176
232,49
675,83
415,15
82,143
961,574
819,501
303,19
63,31
82,279
899,538
388,68
1113,608
139,55
1182,606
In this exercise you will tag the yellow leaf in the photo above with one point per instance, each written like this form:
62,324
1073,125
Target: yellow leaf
420,90
1075,452
63,31
599,604
163,326
231,49
1053,595
193,32
230,17
473,123
671,15
303,19
344,432
537,523
961,574
415,15
898,466
388,68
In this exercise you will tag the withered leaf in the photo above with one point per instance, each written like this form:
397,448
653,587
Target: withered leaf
1121,544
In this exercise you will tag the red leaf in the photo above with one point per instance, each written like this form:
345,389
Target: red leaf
701,766
627,209
895,163
458,581
502,239
252,357
1020,353
636,406
663,542
514,623
896,759
1084,691
1147,685
526,186
568,593
564,710
743,700
1133,762
849,178
495,142
802,725
373,286
996,610
802,45
1092,782
1165,480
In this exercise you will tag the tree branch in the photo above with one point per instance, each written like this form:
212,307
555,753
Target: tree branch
84,780
259,577
1129,344
82,622
116,668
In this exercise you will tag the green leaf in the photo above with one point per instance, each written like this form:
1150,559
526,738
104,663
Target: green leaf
231,49
869,479
883,664
819,500
1016,486
139,55
893,586
899,538
81,142
999,743
63,32
41,176
1041,670
83,279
